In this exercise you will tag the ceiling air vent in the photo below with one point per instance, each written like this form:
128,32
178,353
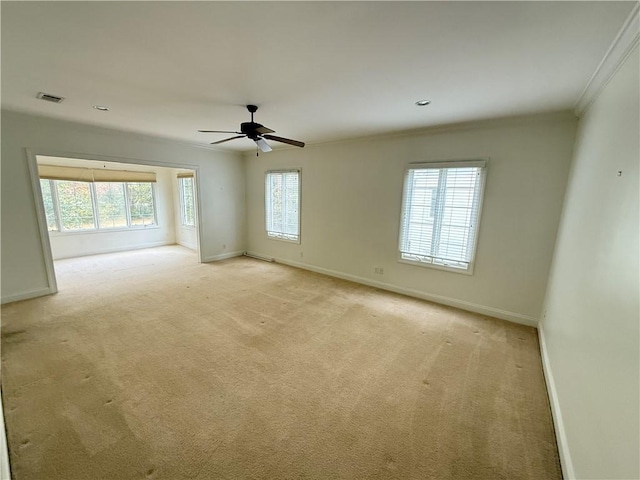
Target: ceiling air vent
50,98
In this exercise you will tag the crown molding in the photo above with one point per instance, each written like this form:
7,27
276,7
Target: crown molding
623,44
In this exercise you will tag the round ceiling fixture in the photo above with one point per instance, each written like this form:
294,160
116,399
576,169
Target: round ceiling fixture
102,108
423,103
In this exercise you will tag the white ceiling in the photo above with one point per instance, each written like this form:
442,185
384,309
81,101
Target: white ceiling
319,71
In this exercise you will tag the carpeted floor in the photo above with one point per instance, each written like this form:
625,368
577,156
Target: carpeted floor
148,365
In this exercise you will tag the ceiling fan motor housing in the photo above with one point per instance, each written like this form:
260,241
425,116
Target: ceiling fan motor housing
250,129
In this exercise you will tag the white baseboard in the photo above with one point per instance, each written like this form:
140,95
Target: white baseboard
5,470
561,434
223,256
125,248
27,295
452,302
257,257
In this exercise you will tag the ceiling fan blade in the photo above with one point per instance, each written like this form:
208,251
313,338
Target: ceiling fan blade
262,144
295,143
227,139
217,131
262,130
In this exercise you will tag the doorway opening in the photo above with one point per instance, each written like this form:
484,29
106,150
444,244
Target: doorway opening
92,207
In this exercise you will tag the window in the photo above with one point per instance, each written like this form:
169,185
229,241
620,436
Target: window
76,212
187,204
440,213
112,205
282,205
49,206
75,206
141,204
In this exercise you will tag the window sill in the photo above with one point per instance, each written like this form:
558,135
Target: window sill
286,240
103,230
468,271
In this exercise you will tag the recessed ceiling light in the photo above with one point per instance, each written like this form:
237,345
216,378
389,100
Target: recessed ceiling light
422,103
102,108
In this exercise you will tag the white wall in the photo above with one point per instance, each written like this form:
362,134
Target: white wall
591,329
185,236
77,244
221,177
350,213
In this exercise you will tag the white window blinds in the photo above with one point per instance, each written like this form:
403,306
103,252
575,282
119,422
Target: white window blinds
282,204
440,211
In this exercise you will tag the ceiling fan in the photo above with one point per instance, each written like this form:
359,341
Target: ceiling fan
256,132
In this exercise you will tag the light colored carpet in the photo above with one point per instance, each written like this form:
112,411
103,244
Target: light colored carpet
148,365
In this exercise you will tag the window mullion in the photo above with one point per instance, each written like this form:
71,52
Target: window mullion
154,204
94,205
127,204
56,207
439,211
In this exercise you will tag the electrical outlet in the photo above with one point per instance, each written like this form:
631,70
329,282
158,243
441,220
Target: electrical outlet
224,246
301,254
378,270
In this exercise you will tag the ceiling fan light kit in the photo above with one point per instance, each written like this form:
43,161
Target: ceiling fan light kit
256,132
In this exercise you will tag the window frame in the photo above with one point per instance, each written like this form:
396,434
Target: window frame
96,209
153,201
56,207
94,203
483,164
58,211
283,238
183,203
